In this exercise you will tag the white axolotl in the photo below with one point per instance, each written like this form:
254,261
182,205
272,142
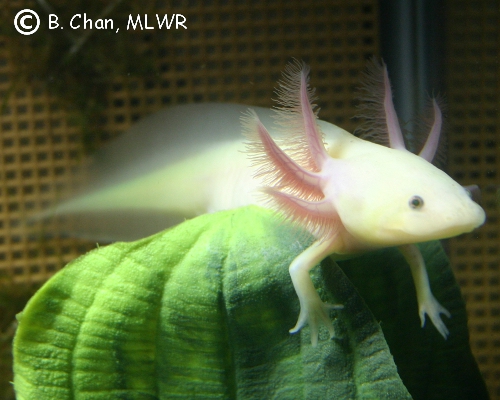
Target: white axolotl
358,195
352,195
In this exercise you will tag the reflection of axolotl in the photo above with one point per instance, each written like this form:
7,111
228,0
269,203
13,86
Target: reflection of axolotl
354,196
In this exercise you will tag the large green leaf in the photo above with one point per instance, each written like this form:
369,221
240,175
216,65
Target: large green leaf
203,310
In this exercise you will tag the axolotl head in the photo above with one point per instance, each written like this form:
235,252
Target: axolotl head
382,196
400,198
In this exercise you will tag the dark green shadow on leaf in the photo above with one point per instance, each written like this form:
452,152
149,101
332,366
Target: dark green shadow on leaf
430,367
203,311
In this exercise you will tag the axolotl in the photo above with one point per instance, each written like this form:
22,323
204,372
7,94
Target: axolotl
351,194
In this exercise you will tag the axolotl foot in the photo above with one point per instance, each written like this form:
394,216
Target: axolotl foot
433,309
313,313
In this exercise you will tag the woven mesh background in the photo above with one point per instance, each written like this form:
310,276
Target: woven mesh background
234,51
473,82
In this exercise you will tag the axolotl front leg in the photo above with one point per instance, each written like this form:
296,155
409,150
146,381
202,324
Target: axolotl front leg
427,303
312,309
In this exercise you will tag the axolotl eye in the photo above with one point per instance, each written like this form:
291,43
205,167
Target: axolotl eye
416,202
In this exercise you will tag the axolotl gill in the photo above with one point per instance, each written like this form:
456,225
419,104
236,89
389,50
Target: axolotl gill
352,194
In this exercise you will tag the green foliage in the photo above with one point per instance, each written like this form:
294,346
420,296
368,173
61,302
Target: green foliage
203,311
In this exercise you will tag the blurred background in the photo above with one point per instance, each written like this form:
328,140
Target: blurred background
65,93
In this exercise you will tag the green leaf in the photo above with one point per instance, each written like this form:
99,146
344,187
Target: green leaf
203,311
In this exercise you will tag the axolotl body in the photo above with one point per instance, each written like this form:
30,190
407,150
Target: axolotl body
351,194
